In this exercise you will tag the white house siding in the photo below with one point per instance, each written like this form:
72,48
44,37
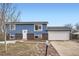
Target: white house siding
58,35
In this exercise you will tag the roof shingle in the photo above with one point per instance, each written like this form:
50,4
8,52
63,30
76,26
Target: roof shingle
58,28
28,23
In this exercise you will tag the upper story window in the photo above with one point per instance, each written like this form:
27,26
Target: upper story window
12,27
38,27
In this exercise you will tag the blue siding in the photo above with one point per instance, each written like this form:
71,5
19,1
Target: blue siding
30,29
19,28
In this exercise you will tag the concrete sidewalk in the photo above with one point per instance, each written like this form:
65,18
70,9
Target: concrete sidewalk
66,48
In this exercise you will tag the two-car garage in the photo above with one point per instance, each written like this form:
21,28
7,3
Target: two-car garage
58,33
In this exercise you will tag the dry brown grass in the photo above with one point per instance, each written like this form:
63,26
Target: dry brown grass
19,49
26,49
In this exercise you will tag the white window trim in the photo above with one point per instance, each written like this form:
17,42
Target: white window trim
12,25
13,36
38,25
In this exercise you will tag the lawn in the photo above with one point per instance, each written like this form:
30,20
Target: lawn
27,49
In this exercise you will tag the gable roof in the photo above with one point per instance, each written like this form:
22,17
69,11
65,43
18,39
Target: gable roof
28,23
59,28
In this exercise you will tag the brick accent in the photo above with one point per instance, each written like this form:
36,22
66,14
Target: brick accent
45,36
7,36
18,36
30,36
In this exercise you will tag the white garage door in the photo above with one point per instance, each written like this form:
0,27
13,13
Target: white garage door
58,35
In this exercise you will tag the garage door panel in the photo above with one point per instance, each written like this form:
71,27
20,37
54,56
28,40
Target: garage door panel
58,35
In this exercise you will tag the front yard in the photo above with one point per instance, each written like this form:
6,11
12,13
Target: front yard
27,48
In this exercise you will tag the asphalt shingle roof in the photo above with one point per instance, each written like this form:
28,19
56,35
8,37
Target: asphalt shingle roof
29,23
58,28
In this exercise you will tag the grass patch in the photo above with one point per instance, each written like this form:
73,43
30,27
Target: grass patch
26,49
19,49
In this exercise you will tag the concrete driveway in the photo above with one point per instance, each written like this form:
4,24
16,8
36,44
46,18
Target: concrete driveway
66,48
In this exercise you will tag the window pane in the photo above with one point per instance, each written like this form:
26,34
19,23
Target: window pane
12,36
39,27
36,36
36,27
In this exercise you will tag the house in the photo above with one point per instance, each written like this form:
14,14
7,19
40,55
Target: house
75,34
36,31
59,33
27,30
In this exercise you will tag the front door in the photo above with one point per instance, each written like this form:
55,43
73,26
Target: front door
25,34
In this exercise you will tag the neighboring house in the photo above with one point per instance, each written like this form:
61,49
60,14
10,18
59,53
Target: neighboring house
75,34
27,30
36,30
59,33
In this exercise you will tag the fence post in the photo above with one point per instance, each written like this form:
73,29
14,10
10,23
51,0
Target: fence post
46,43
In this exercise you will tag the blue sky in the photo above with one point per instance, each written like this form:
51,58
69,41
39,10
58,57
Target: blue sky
55,14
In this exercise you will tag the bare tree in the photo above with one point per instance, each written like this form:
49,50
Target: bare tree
8,13
69,26
77,26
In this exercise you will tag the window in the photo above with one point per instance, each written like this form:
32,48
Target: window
12,36
38,36
12,27
38,27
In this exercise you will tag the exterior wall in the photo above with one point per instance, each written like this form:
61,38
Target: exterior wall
58,35
29,28
30,36
21,27
18,36
7,36
45,36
